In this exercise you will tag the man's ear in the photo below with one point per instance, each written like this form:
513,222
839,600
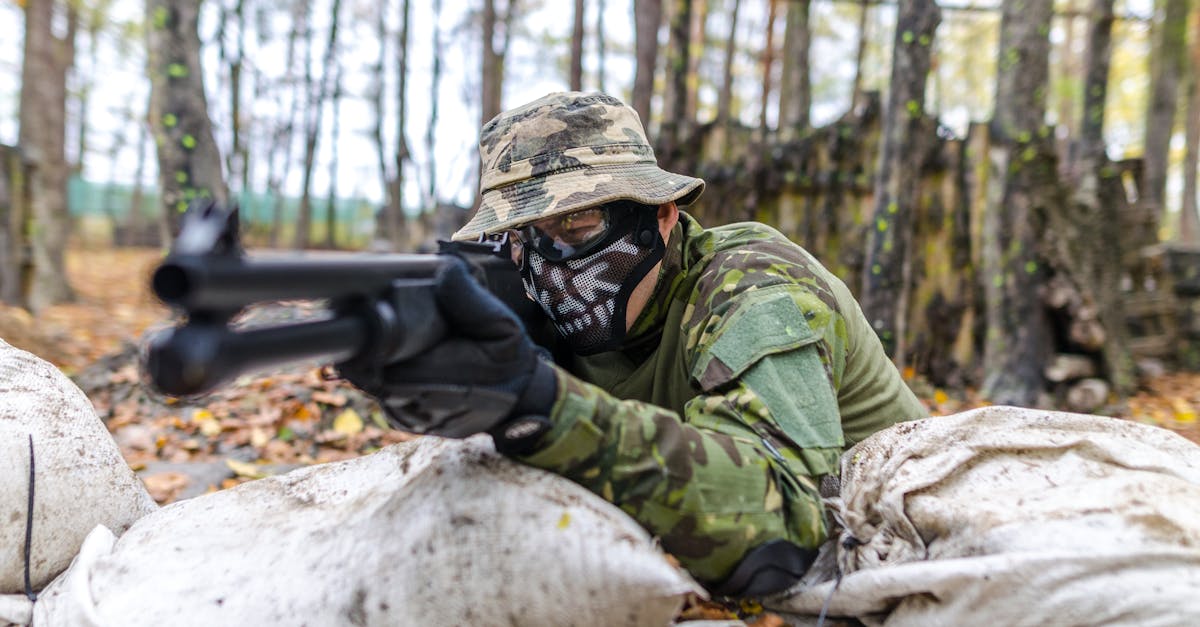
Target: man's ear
668,217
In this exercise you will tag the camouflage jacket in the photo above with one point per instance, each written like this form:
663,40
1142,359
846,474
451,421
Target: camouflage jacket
749,371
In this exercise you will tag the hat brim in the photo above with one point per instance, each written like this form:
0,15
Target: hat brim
565,191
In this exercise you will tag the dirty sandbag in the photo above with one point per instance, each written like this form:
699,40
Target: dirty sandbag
1013,516
427,532
80,478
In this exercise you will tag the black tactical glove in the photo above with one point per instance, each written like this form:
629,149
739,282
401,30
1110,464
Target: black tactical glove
484,375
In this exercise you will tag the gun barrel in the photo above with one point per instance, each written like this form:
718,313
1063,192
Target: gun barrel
203,283
198,357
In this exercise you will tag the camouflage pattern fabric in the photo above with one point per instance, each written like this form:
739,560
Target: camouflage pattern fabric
564,152
747,374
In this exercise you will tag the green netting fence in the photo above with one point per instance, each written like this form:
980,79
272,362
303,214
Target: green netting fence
353,217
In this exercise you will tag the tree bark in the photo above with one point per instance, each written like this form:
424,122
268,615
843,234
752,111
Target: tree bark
795,89
576,77
15,265
1018,336
279,159
675,123
1167,70
335,136
1096,214
239,161
601,58
1189,220
725,97
888,267
647,18
768,64
189,162
430,200
860,53
42,137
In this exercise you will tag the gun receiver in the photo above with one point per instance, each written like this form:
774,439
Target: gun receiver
381,307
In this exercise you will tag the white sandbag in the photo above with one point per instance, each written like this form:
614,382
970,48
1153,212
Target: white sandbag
80,477
429,532
1009,516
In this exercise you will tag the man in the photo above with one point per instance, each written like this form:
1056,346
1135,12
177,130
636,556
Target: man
714,377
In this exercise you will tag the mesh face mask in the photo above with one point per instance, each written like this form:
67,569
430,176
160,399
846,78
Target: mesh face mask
586,297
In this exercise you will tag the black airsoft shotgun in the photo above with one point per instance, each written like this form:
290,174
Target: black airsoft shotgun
380,306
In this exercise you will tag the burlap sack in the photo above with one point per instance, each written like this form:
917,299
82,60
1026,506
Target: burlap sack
1009,516
430,532
80,477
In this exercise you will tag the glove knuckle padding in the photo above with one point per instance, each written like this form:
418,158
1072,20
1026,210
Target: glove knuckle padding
472,379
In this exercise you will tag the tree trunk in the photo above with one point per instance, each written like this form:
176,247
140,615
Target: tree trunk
42,137
1189,221
1068,69
239,162
430,200
888,267
699,43
335,135
393,223
1095,92
279,160
313,120
15,265
647,16
675,124
768,64
189,162
1096,212
795,90
725,97
489,64
1018,336
859,54
1167,70
136,224
576,77
600,52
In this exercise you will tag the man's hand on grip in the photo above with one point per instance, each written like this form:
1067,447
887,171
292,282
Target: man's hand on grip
482,376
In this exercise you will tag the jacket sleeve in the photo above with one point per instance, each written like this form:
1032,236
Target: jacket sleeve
738,469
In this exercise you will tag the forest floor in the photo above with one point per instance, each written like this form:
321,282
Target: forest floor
267,424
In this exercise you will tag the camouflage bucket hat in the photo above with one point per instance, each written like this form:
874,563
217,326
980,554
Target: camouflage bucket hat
565,152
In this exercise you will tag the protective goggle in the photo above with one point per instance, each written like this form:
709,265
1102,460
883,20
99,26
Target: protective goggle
573,235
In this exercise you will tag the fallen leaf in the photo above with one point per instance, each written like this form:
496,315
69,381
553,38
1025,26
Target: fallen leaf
348,422
165,487
244,469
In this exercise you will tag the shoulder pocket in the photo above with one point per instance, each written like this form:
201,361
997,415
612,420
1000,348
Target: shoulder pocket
766,322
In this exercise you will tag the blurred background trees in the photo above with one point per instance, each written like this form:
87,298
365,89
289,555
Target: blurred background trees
1009,186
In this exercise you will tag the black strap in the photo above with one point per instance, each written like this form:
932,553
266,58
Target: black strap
768,568
29,525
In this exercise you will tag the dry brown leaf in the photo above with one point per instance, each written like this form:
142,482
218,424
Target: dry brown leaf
165,487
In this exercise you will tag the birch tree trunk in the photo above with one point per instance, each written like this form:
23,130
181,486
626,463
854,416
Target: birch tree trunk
42,138
189,163
887,277
1018,336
